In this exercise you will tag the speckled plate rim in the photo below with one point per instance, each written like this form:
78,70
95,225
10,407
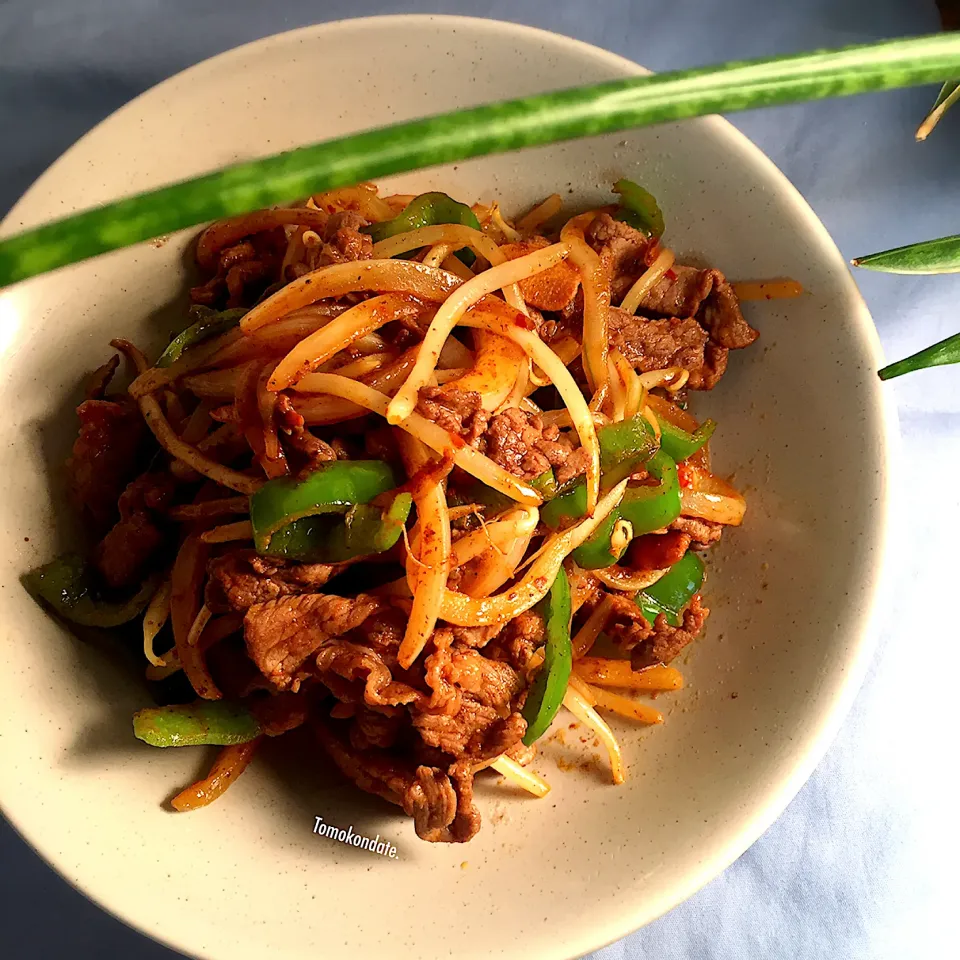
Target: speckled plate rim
823,728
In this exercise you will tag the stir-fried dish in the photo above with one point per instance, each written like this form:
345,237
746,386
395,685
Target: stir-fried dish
415,477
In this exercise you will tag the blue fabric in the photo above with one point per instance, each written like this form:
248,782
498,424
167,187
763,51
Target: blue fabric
859,865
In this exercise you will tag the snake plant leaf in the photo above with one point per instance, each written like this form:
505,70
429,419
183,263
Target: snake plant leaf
944,352
949,94
494,128
928,257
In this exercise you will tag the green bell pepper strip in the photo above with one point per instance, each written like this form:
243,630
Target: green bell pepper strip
207,324
545,484
427,210
598,550
673,591
334,538
333,488
201,723
647,508
678,444
546,693
624,448
638,208
66,584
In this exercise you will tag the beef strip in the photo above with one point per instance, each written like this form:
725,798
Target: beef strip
280,712
457,411
123,555
105,458
672,342
354,662
522,444
518,640
441,804
282,634
291,425
244,270
705,294
665,641
703,533
471,713
625,253
342,240
655,551
101,377
720,315
626,625
370,728
241,578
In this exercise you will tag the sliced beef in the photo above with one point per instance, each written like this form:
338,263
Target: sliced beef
553,289
459,412
704,294
721,316
280,712
518,640
626,625
281,634
475,732
357,663
471,713
373,729
241,578
522,444
243,270
342,240
106,456
672,342
291,425
123,555
655,551
679,292
440,803
703,533
625,253
101,377
665,641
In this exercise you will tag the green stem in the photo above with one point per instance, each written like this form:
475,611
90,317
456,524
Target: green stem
495,128
928,257
944,352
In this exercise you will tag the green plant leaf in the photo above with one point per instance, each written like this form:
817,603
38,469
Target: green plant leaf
495,128
944,352
930,256
949,94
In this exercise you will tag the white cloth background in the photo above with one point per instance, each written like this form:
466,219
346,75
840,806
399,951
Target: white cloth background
861,864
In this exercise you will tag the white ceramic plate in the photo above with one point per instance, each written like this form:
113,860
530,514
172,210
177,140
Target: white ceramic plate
802,423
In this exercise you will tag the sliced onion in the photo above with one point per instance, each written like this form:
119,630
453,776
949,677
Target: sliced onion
174,445
339,333
470,612
629,581
453,309
455,235
596,299
434,555
575,700
521,776
494,371
539,215
336,280
646,281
